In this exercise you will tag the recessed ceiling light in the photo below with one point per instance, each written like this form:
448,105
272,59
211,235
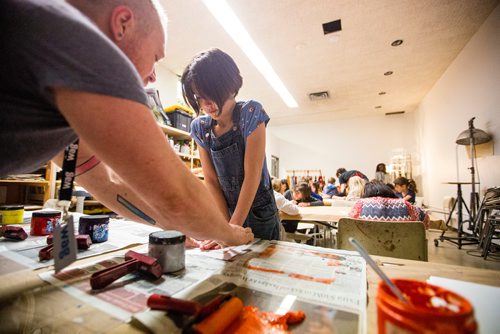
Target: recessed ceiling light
378,107
381,93
397,42
332,26
388,73
394,113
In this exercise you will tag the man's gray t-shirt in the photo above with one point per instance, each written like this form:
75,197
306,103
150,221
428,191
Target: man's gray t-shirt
46,44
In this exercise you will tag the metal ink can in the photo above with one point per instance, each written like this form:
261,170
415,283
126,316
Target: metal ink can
44,222
95,226
168,248
12,214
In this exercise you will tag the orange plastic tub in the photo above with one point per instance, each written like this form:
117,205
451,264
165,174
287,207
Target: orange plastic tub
432,309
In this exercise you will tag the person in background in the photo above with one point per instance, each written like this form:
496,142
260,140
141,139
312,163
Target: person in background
381,173
231,139
344,176
330,189
355,188
315,190
301,195
406,189
284,186
282,203
379,202
78,73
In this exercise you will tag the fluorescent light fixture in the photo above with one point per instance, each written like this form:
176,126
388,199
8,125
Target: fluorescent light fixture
230,22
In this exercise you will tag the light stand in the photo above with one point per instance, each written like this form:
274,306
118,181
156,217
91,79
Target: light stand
472,137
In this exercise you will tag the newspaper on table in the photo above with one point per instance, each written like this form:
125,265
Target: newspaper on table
328,285
121,234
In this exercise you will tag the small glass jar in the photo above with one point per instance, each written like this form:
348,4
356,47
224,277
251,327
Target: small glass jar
95,226
44,222
12,214
168,248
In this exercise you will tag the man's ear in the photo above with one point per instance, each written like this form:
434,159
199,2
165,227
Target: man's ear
121,22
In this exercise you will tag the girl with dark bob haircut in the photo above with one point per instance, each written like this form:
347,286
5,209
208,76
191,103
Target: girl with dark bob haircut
231,139
212,75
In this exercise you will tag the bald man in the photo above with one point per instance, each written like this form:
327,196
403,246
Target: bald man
65,77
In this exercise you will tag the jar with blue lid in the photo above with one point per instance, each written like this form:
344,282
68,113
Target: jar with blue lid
95,226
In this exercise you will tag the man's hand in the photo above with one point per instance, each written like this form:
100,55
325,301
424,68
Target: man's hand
242,235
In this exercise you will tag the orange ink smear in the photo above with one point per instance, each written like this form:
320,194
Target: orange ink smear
253,321
333,263
313,279
263,269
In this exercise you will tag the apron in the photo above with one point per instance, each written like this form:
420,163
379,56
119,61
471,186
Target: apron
227,153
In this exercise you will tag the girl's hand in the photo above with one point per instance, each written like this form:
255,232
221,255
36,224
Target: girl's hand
210,244
192,243
304,204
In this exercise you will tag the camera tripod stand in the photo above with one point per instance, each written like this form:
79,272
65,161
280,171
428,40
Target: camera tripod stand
462,237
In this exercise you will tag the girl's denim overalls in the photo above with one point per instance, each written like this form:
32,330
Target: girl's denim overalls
228,154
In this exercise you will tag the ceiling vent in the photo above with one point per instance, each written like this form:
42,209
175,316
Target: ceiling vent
319,96
394,113
333,26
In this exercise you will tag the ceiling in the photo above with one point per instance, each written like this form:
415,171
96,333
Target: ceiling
349,64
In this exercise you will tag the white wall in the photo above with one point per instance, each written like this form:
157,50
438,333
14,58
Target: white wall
470,87
166,83
359,143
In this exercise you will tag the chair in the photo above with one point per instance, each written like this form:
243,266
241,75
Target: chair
404,240
319,233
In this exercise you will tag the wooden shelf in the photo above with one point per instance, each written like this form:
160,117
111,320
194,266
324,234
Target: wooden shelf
174,132
34,182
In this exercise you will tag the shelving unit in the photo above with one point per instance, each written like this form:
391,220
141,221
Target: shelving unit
30,191
192,160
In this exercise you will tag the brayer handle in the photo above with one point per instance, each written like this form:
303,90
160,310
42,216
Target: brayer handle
105,277
167,303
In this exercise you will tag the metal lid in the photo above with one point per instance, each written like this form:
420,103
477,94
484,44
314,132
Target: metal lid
169,237
11,207
46,213
96,219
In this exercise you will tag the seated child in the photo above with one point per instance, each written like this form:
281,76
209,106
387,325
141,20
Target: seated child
379,202
330,189
406,189
315,190
300,195
281,202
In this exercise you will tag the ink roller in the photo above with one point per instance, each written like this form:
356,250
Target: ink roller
13,233
186,307
82,242
133,262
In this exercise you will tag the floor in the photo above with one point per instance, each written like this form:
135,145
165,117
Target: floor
468,256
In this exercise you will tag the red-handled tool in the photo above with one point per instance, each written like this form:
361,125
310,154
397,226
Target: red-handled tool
133,262
13,233
82,242
195,310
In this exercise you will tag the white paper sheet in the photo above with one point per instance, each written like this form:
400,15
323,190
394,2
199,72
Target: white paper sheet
484,298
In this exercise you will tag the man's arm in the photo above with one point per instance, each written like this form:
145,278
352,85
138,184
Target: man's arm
103,183
124,135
